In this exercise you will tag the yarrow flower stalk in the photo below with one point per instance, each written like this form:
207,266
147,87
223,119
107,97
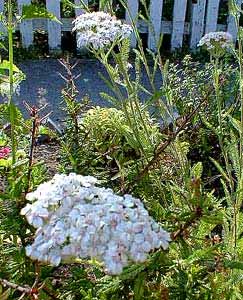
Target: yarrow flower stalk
76,219
217,43
99,30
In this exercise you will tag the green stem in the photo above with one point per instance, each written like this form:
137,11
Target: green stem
241,101
11,79
238,202
220,120
132,95
218,100
140,45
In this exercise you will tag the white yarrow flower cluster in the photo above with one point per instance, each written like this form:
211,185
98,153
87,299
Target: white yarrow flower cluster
76,219
216,41
99,30
5,89
18,77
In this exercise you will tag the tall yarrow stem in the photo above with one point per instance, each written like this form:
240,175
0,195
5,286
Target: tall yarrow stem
11,106
216,75
217,43
239,57
240,62
132,101
238,202
216,81
140,43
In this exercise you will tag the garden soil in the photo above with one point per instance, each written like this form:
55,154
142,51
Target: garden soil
49,154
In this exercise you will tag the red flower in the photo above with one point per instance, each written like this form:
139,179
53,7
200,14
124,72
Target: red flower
4,152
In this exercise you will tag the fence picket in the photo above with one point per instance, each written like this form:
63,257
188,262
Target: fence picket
204,17
132,13
26,27
231,23
156,9
212,16
79,11
197,22
179,14
54,28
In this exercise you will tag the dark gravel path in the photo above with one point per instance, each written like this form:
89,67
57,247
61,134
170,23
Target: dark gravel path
44,74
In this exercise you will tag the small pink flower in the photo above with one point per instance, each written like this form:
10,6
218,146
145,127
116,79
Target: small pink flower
4,152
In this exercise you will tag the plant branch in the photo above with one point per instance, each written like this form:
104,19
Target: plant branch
22,289
27,290
183,229
161,148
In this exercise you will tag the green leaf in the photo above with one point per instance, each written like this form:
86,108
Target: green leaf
35,11
156,96
234,9
5,295
3,47
110,99
103,4
18,76
233,264
201,254
214,218
4,163
2,17
19,163
197,170
139,287
235,123
5,65
220,169
82,4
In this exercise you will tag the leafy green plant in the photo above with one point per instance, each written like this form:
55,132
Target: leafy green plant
107,144
205,223
148,149
18,173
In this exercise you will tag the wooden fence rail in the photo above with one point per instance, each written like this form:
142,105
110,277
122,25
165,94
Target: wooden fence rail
191,19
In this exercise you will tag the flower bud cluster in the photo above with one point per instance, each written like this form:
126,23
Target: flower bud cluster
99,30
76,219
216,41
4,152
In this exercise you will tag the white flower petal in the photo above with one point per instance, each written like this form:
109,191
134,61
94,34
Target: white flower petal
76,219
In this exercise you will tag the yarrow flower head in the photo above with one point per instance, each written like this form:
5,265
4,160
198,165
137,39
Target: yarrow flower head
76,219
99,30
4,152
217,43
5,91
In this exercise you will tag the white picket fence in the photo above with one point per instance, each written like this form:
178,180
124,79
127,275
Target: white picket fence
203,19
